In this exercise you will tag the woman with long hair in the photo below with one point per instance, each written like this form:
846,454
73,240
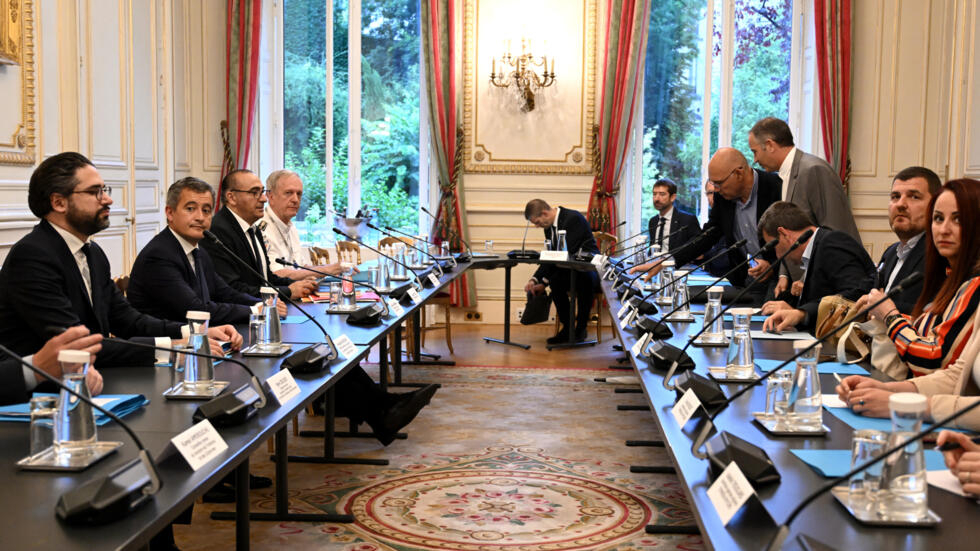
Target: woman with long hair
943,320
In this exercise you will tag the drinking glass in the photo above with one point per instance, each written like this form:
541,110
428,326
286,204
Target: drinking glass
866,444
43,410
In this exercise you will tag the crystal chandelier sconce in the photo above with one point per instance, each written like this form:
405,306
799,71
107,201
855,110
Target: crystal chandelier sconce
525,73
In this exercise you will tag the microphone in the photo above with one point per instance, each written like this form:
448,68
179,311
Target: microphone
418,279
114,495
703,435
782,531
705,235
463,257
640,245
388,231
368,315
327,340
799,241
523,253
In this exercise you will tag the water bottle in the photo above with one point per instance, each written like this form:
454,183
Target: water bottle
741,358
655,280
666,295
714,330
681,300
806,412
644,254
562,243
902,495
198,371
270,298
347,298
74,424
399,264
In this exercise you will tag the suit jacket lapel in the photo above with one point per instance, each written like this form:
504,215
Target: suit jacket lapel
73,278
814,254
794,173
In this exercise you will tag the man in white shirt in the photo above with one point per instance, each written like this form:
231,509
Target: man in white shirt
285,192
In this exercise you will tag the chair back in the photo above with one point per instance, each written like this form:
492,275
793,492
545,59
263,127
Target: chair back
390,240
320,256
605,241
349,247
122,283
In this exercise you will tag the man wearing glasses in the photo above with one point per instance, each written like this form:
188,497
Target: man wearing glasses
235,225
741,196
57,277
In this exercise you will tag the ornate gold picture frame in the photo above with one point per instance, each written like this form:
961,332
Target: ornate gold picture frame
17,127
555,136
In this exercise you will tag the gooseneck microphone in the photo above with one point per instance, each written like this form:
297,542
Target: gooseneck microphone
699,440
629,287
641,247
388,231
465,257
803,238
372,309
114,495
523,253
328,341
418,278
783,531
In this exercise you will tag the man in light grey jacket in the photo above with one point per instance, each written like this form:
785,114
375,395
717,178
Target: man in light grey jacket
809,182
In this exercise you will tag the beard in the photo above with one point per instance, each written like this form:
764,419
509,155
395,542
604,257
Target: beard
87,224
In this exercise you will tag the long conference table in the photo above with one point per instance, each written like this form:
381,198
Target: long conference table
29,497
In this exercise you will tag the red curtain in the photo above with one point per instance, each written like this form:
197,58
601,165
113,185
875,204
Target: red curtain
625,51
439,60
833,32
243,29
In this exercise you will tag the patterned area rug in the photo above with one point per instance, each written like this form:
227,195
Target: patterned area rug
455,485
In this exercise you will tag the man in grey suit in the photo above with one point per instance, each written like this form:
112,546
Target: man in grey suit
809,182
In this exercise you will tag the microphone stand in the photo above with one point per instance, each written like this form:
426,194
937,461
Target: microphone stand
418,279
463,257
108,497
386,312
435,259
799,241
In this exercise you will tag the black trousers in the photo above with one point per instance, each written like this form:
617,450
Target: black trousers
359,398
585,285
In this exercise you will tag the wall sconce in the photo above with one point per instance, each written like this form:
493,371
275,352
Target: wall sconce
524,77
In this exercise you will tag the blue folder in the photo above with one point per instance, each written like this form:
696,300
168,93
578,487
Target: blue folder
121,405
822,367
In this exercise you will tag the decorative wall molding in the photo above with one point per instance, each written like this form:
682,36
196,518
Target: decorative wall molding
17,143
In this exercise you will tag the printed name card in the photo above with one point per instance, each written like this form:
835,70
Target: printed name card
414,295
199,444
729,492
685,407
559,256
598,260
622,310
639,345
627,320
395,307
283,386
433,279
345,346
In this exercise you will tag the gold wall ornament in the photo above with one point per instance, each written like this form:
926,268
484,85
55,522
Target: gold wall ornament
503,136
17,57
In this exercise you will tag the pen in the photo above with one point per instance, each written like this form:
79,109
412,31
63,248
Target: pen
841,381
950,446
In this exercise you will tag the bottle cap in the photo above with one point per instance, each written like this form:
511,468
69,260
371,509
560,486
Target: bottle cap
803,343
742,311
680,274
668,263
267,291
907,402
74,356
716,289
197,315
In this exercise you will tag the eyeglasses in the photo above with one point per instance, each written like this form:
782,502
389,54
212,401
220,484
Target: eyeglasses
718,183
97,192
256,193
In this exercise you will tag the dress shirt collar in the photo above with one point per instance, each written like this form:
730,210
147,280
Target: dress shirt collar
555,223
808,251
73,242
755,193
786,169
668,214
904,249
184,244
284,227
241,221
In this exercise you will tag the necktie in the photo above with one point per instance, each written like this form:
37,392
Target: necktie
86,269
260,265
199,273
660,232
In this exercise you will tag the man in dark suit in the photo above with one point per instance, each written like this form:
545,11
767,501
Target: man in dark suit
235,225
741,196
670,219
908,214
833,263
578,237
17,382
172,274
55,276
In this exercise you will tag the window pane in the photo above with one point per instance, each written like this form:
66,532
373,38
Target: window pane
763,30
340,103
390,111
672,96
304,101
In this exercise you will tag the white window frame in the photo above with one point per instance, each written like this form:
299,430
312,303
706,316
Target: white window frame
803,112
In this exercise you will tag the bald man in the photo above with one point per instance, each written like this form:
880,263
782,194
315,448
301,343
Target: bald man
741,196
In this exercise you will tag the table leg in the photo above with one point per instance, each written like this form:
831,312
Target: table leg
506,339
241,506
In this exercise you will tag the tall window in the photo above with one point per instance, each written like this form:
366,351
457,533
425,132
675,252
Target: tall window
382,173
713,68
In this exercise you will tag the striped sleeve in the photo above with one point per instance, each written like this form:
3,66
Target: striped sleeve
938,342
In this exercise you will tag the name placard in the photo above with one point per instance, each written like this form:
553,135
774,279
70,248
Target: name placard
414,295
598,260
283,386
395,307
199,444
638,345
685,407
729,492
433,279
627,320
622,310
559,256
345,346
